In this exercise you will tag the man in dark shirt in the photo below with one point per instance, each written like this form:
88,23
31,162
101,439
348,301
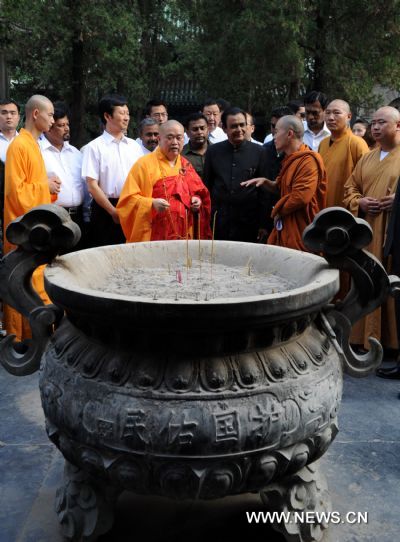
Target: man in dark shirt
195,150
241,214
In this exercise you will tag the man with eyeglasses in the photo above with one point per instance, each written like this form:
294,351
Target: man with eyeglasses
212,113
369,193
157,109
163,194
315,103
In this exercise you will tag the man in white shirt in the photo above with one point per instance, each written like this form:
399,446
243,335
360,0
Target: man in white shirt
9,119
107,161
315,104
64,169
212,113
250,128
149,135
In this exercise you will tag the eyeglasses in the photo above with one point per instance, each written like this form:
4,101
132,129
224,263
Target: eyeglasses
211,114
160,115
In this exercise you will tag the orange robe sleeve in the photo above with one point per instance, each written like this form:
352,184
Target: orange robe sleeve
135,204
303,188
303,194
353,190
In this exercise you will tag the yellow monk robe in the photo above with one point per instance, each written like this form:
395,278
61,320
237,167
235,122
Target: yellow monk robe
135,205
340,158
302,184
25,187
376,179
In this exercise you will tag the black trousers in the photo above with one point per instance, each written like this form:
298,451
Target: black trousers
103,229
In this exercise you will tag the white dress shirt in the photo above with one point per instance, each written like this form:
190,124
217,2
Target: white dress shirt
313,140
217,135
67,165
108,161
140,143
268,138
4,142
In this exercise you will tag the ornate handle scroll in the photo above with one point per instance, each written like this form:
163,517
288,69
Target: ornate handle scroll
340,237
39,235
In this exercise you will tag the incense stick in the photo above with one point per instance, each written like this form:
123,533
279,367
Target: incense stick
212,242
187,247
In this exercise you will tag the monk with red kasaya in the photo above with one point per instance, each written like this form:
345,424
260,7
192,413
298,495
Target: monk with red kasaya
163,198
301,184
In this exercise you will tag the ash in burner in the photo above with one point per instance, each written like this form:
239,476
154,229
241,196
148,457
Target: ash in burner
197,283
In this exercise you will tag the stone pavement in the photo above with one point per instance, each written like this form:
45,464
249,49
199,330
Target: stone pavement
362,468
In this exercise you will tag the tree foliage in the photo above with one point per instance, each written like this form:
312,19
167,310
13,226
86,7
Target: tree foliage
255,53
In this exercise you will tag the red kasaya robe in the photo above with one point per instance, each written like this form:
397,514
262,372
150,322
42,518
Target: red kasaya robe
153,177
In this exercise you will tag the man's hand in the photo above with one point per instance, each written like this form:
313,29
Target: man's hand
386,203
196,204
114,216
160,204
262,235
257,181
370,206
54,184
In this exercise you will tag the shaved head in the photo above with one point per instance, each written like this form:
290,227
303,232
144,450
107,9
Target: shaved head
388,112
37,101
339,104
170,124
171,139
291,122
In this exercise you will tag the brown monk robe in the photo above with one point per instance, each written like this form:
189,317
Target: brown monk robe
340,151
369,194
301,185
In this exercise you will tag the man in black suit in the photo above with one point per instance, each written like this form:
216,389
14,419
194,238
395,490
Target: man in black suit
241,212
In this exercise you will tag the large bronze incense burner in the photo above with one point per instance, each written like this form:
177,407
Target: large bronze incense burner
190,398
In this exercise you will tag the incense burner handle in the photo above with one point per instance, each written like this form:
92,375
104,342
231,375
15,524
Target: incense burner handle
340,237
39,235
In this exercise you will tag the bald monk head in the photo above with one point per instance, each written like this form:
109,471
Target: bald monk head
289,134
337,117
39,113
171,139
385,127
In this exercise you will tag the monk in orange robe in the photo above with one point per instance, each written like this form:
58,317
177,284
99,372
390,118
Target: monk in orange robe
369,194
301,185
163,197
340,151
26,186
